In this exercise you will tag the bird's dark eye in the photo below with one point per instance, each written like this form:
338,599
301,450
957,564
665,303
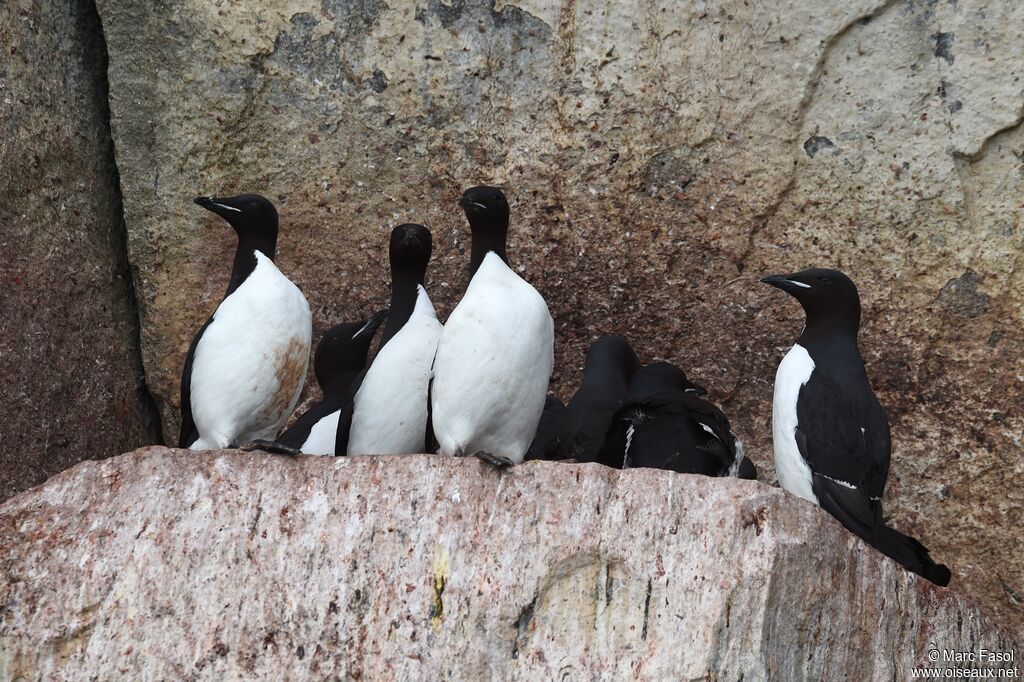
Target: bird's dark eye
825,280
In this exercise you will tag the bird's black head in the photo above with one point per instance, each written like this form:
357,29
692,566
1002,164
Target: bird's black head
250,215
616,351
485,207
827,296
658,377
342,351
487,212
410,249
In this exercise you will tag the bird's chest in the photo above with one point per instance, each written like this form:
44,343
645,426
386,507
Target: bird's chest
259,339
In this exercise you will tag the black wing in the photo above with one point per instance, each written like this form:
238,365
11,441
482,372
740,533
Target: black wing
845,439
674,430
430,444
345,418
718,438
613,451
298,433
188,433
583,429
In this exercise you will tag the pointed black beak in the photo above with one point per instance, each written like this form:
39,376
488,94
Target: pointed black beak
464,202
219,206
785,283
372,324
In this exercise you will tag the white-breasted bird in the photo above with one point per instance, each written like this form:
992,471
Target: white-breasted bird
246,366
390,410
831,436
496,351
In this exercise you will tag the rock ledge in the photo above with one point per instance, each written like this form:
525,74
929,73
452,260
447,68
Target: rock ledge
163,564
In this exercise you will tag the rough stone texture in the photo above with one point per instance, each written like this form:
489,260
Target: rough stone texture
72,378
230,565
660,156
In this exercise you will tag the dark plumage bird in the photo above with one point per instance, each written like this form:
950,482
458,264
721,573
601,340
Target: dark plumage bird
663,423
547,427
246,366
831,435
578,430
340,362
495,353
390,411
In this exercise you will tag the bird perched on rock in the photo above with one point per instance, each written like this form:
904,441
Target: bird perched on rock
246,366
578,431
831,435
547,428
664,423
390,411
495,354
339,365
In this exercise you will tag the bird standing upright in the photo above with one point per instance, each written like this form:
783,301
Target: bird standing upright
831,436
496,351
390,410
246,366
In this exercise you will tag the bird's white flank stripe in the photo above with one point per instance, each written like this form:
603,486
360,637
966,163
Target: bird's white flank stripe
794,473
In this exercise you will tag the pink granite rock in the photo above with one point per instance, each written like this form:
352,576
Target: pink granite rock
163,564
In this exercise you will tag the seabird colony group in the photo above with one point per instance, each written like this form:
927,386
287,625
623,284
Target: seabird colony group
477,385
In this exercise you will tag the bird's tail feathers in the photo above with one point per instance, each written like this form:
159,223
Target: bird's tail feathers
912,555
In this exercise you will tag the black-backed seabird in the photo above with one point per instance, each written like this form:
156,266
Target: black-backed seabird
664,423
831,435
547,427
246,366
580,429
390,414
495,354
339,361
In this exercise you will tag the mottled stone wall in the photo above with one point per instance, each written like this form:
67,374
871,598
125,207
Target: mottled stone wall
228,565
660,158
71,374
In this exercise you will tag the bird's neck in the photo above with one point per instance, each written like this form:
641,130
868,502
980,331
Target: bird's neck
833,348
404,292
245,258
335,388
488,238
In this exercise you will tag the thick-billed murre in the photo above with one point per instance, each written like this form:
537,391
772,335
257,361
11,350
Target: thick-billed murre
579,430
664,423
831,436
390,412
496,351
246,366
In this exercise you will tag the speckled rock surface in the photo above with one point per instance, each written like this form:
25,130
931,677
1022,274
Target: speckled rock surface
660,158
230,565
68,357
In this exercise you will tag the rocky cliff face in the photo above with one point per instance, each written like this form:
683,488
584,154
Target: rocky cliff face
660,158
231,565
69,360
